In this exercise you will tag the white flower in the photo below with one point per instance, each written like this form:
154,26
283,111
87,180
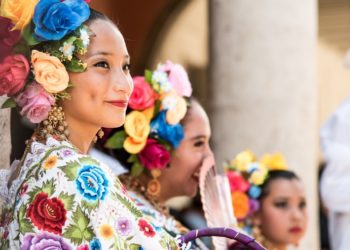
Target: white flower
67,49
184,246
84,36
160,77
169,102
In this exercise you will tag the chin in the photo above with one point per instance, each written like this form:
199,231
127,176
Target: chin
115,123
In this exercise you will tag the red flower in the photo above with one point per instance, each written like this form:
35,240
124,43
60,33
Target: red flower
83,247
237,182
47,214
146,228
154,155
143,96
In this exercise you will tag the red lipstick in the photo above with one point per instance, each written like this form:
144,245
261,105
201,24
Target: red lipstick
295,230
119,103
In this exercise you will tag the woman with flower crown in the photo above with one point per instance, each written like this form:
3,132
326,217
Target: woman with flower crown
70,75
163,143
268,200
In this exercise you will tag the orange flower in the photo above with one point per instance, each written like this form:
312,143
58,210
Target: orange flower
20,11
49,72
106,231
50,162
176,107
240,202
138,128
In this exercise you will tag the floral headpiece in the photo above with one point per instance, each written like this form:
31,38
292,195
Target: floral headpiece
246,175
40,41
152,127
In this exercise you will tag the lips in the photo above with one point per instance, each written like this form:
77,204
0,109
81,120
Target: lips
295,230
119,103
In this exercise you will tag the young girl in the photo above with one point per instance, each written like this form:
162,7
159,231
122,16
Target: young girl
72,79
269,200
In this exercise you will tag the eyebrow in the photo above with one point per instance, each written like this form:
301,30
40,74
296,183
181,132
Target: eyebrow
198,137
127,56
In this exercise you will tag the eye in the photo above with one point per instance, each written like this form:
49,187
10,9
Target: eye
302,205
102,64
198,144
281,204
127,67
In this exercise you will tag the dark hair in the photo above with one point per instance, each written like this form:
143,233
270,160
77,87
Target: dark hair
275,175
96,15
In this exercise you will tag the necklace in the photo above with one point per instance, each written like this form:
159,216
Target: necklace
135,185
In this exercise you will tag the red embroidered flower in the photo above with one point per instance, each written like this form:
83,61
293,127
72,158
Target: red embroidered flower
83,247
23,189
47,214
146,228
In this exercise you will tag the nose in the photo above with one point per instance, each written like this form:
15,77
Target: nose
297,214
122,81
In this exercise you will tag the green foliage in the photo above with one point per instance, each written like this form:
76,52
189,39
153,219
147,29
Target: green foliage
87,160
9,103
90,206
71,170
68,200
129,205
136,169
116,141
28,35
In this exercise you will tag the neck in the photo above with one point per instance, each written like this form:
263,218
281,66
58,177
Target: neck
81,134
275,246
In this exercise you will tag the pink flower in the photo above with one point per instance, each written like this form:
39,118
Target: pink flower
154,155
35,102
143,95
14,71
178,78
83,247
237,182
87,1
8,37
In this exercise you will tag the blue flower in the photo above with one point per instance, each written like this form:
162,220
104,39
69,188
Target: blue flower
54,19
171,133
92,183
254,191
95,244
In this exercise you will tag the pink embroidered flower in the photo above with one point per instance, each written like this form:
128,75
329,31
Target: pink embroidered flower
237,182
123,226
143,96
35,102
14,71
83,247
154,155
178,78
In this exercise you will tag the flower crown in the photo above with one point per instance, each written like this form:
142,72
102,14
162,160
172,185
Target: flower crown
152,127
40,41
246,175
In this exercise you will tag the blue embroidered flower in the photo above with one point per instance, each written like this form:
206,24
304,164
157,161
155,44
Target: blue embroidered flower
171,133
254,192
54,19
95,244
92,183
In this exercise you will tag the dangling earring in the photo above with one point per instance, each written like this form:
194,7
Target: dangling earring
54,125
100,134
259,237
153,186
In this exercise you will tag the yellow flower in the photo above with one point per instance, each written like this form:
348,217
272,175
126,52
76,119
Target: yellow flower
106,231
50,162
240,202
274,161
138,128
176,107
259,175
49,72
149,113
243,159
20,11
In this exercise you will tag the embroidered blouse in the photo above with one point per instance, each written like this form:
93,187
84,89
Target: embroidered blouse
66,200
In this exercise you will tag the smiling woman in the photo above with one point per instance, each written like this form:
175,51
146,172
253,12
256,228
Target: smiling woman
58,196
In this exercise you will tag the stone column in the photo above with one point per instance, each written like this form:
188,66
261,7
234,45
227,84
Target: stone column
5,137
262,85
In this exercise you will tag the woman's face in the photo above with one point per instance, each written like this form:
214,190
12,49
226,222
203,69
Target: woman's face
99,95
283,215
181,178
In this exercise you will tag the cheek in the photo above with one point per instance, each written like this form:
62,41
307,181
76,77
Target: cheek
274,222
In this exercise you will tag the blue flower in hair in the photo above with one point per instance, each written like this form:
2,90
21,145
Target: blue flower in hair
171,133
54,19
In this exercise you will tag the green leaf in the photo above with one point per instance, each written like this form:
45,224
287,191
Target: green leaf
48,187
74,234
136,169
75,65
134,246
87,160
88,234
148,75
133,158
116,141
68,200
33,193
9,103
129,205
71,170
21,212
81,220
90,206
25,226
28,36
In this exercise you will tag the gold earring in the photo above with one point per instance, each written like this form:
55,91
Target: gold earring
100,134
54,125
153,186
259,237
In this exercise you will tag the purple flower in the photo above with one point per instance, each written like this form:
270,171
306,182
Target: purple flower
123,226
66,153
253,205
44,241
